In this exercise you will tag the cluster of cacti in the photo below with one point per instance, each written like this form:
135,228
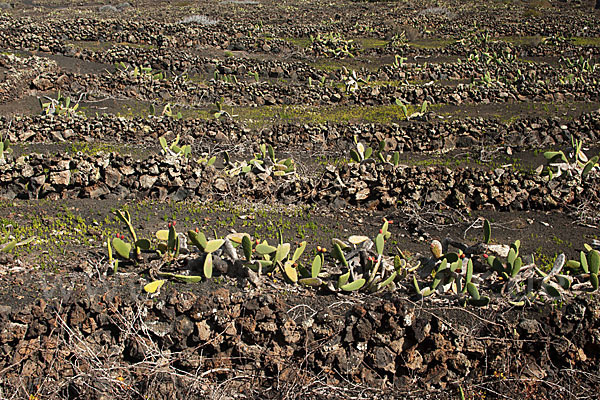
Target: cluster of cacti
360,263
422,110
274,258
228,78
138,70
168,111
588,265
208,247
363,264
122,248
398,61
168,242
451,272
174,148
351,80
220,112
263,162
513,264
59,106
522,284
333,44
559,163
362,153
579,65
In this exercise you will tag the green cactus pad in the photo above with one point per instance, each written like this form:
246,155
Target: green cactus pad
594,281
594,261
352,286
247,247
573,264
6,247
282,252
152,287
451,257
299,251
516,267
337,253
208,266
317,264
343,279
416,285
552,291
162,235
388,281
379,243
584,262
553,156
265,248
340,243
512,256
472,289
314,282
213,245
385,227
290,272
487,231
197,238
357,239
143,244
588,166
121,248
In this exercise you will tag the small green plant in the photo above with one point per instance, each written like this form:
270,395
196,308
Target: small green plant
333,44
59,106
254,75
579,65
220,112
513,263
363,262
168,111
227,78
351,80
554,40
5,149
399,40
168,242
576,163
398,61
174,148
362,153
263,162
208,247
141,244
139,70
589,265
